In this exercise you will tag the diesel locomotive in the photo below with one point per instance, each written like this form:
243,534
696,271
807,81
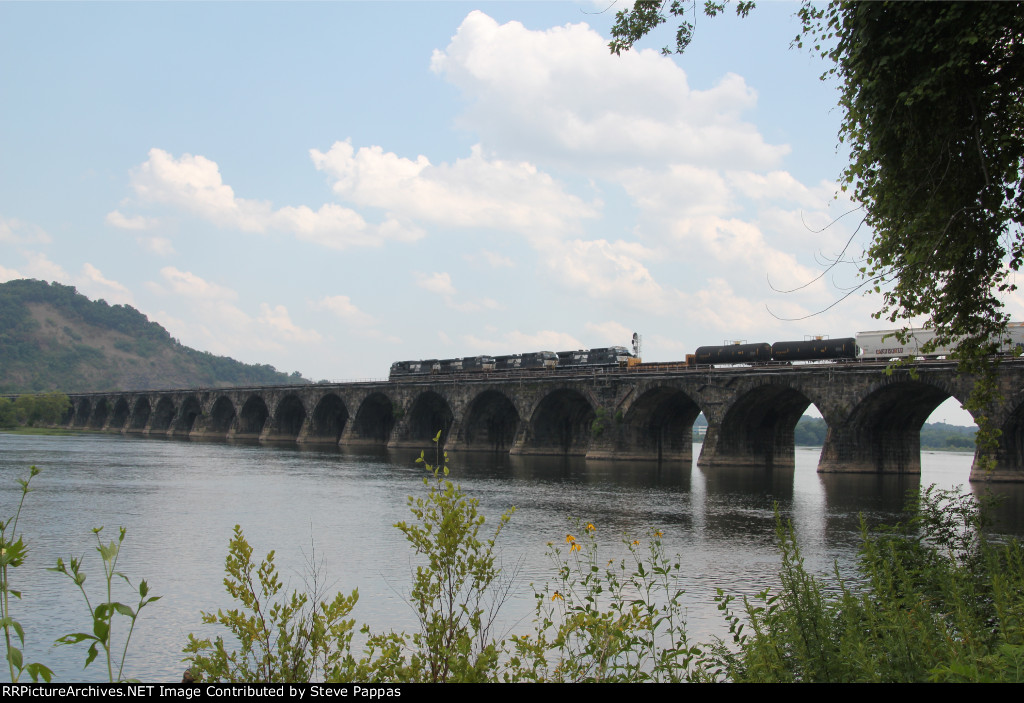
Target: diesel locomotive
879,345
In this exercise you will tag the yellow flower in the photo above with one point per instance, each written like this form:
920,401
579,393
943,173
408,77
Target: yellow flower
658,533
636,543
590,527
574,548
556,596
569,539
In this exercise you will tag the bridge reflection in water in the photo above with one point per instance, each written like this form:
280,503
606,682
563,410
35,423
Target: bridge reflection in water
874,418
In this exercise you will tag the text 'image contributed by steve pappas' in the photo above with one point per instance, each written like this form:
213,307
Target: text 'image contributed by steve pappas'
201,691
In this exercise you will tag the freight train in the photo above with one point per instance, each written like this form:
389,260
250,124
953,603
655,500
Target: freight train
879,345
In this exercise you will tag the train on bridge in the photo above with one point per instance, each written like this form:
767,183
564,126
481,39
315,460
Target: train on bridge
878,345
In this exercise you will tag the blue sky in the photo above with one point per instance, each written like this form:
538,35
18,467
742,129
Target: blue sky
328,187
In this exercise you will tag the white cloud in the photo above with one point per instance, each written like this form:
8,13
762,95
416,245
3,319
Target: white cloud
344,309
280,323
116,219
39,266
560,94
517,342
492,259
472,192
158,245
14,231
213,321
441,284
186,283
7,274
610,270
611,333
94,284
194,184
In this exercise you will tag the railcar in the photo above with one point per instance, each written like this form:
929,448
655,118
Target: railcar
882,345
530,360
734,354
815,350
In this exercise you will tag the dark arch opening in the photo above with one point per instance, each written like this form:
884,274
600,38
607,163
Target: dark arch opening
288,417
329,418
140,414
429,414
758,428
120,416
253,416
375,419
69,414
162,415
562,423
221,416
99,414
190,410
660,424
82,415
883,433
491,422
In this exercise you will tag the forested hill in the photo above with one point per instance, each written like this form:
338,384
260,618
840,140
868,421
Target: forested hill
54,338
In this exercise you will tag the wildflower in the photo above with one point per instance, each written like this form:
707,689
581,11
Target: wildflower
590,527
569,539
556,596
575,547
636,543
658,533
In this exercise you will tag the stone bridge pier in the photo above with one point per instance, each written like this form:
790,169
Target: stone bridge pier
874,417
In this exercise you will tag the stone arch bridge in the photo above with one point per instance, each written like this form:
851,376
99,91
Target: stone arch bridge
874,418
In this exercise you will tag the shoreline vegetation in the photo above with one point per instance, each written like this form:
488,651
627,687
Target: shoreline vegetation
933,598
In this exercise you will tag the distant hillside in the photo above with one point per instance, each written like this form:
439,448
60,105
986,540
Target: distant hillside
54,338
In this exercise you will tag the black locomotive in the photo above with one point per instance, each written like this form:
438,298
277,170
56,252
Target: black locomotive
580,359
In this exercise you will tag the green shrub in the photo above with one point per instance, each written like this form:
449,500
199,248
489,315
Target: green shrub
607,622
932,600
300,638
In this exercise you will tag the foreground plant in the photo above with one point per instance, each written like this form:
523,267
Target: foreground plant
12,555
103,614
933,600
297,639
608,621
456,594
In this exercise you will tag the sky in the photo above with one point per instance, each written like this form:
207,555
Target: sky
329,187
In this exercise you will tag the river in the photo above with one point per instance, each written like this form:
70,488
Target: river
179,501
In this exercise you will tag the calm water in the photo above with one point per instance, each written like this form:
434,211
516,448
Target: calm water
180,501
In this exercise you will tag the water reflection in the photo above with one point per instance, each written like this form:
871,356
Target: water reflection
180,501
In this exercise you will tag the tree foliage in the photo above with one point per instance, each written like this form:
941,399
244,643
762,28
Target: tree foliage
934,119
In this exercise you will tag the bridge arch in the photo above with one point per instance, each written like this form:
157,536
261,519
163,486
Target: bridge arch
140,415
375,419
659,425
289,415
100,413
222,416
491,423
883,431
163,415
119,418
186,420
82,413
429,413
560,424
252,418
756,429
328,421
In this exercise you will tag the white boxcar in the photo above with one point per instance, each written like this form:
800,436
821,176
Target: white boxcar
883,344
